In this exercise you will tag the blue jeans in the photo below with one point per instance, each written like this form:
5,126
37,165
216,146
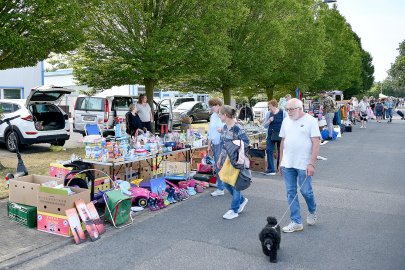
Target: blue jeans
290,179
270,151
329,122
216,148
388,113
237,197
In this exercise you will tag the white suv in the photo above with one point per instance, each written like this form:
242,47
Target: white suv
40,121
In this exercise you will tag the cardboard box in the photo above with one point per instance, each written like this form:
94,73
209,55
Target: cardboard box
258,164
58,203
54,224
194,163
25,189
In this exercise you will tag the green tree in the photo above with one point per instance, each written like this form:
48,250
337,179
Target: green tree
151,42
303,39
31,29
397,70
343,54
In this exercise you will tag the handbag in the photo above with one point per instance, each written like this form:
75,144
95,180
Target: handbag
275,136
244,179
228,173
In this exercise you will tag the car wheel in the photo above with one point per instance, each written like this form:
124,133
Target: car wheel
59,143
142,202
12,141
192,119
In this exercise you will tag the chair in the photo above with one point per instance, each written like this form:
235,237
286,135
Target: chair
92,129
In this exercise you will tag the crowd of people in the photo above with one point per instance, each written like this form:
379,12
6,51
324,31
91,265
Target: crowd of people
293,141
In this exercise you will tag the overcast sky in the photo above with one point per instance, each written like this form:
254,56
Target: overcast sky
381,26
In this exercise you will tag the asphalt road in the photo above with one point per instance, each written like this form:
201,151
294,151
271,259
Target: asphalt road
360,196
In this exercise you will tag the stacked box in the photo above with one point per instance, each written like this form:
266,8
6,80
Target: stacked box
23,214
53,223
194,162
24,190
258,164
56,201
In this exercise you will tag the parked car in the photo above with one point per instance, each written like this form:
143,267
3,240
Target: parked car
260,109
194,109
106,111
41,119
178,100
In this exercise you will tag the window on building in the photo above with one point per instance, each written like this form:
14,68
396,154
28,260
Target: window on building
10,93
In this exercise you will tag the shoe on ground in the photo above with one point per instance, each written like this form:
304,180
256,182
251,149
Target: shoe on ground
293,227
242,205
312,218
217,192
271,173
361,127
329,139
365,127
230,215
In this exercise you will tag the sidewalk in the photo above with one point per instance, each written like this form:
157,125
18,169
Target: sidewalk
19,244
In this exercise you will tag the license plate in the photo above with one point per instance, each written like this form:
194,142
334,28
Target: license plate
89,118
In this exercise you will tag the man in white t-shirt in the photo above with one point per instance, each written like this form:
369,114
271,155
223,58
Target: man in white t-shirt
299,149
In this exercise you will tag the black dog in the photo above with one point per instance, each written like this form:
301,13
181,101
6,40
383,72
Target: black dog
270,238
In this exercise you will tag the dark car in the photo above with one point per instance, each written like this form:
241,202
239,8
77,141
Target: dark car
196,110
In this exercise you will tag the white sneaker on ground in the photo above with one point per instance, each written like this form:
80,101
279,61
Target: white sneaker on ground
361,127
230,215
312,218
217,192
293,227
242,205
271,173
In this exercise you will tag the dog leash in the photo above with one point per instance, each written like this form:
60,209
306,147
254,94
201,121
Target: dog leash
299,189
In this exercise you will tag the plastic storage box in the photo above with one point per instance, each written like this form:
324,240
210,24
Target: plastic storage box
23,214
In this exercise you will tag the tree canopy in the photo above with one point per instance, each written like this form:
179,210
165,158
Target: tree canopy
397,70
31,29
150,41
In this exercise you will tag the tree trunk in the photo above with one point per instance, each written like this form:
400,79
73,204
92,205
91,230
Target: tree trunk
270,92
149,88
226,92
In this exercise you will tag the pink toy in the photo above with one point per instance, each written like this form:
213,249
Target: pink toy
183,184
191,183
199,188
140,196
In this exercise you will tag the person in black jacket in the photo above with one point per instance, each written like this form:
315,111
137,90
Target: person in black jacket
132,120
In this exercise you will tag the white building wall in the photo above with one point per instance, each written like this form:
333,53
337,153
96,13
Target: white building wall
21,78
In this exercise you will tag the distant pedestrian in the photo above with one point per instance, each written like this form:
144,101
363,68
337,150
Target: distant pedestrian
379,107
363,107
145,112
214,140
232,130
389,104
273,120
328,108
283,101
299,151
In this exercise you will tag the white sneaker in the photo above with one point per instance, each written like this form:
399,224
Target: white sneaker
293,227
271,173
312,218
361,127
230,215
242,205
217,192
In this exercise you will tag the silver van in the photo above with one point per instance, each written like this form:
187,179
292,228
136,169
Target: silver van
107,111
